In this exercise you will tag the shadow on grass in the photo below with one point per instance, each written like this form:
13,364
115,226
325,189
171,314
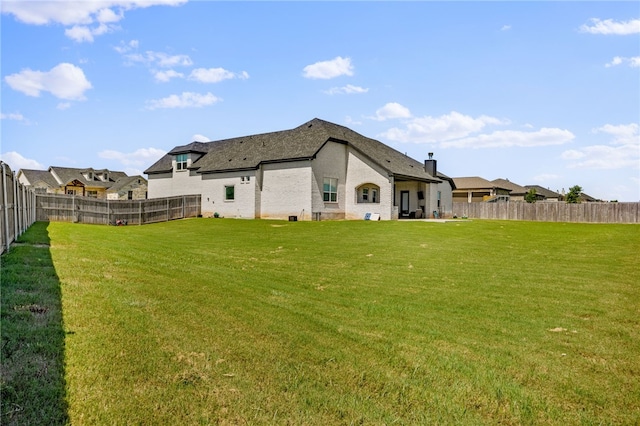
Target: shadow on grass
32,379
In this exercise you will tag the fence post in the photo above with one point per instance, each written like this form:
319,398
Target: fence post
4,207
16,225
139,212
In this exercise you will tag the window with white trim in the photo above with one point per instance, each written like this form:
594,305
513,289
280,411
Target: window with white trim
181,162
330,190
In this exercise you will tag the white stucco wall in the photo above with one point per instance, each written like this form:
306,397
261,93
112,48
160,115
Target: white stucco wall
286,190
361,170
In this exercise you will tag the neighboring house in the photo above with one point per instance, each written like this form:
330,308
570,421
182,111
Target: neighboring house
128,188
71,181
476,189
545,193
41,181
517,192
584,198
318,170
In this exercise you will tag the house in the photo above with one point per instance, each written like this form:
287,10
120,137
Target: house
545,193
128,188
318,170
86,182
476,189
517,192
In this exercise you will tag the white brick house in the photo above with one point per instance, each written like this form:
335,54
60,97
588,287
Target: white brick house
317,171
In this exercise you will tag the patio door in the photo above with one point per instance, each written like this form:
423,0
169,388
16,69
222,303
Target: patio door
404,203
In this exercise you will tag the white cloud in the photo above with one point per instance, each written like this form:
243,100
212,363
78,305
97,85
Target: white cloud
17,161
346,90
78,15
349,120
546,177
391,110
633,62
329,69
609,26
165,76
429,129
200,138
139,157
505,28
126,47
12,116
624,134
63,105
185,100
64,81
511,138
622,151
215,75
160,59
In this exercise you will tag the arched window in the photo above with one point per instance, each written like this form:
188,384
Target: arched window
368,193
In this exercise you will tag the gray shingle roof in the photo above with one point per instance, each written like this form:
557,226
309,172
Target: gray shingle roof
36,176
302,142
124,181
514,187
68,174
544,191
475,182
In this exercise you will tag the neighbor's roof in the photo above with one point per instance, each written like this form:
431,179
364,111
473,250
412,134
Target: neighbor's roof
68,174
300,143
514,187
475,182
124,182
35,176
546,193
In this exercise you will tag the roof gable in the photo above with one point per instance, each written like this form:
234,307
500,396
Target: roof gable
475,182
515,188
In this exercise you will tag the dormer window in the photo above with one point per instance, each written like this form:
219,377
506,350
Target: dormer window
181,162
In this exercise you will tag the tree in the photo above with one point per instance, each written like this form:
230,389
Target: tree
530,196
573,196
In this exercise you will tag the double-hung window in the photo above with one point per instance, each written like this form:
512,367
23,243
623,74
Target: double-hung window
181,162
330,190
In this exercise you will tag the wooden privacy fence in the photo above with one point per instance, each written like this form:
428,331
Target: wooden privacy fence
17,207
69,208
551,211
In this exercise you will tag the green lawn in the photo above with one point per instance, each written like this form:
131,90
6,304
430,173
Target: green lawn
261,322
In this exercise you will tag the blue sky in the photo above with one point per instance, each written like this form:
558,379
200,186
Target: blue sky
540,93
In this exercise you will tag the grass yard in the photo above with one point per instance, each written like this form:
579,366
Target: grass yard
261,322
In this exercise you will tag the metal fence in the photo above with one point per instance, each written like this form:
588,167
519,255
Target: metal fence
69,208
17,207
551,211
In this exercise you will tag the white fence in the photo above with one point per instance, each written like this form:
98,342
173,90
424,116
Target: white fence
17,207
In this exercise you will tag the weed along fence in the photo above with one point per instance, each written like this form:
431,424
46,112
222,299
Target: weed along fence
68,208
551,212
17,208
